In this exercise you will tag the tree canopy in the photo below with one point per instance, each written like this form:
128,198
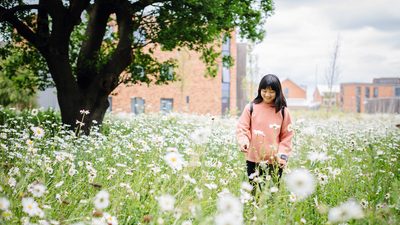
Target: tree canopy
83,46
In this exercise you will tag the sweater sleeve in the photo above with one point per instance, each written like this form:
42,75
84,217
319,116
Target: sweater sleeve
243,133
286,135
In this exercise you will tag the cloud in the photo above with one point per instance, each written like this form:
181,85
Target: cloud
301,36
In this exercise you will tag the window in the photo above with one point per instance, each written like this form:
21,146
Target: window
225,100
137,105
109,109
286,92
358,91
167,71
225,74
226,46
187,99
166,105
397,91
367,92
376,92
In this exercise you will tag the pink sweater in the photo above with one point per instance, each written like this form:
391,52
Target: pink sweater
267,133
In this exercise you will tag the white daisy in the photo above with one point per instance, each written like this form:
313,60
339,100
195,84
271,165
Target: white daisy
101,201
346,211
31,207
301,182
4,204
258,133
38,132
227,203
274,126
37,189
174,160
166,202
111,220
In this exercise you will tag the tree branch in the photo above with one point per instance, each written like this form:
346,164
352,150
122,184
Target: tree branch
21,28
76,8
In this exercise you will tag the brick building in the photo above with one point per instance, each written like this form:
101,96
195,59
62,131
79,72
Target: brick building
296,95
325,96
192,93
382,95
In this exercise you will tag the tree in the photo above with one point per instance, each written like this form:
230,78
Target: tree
332,75
75,44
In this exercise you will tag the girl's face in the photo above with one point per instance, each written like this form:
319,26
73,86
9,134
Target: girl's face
268,95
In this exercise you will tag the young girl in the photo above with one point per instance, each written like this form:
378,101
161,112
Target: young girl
264,130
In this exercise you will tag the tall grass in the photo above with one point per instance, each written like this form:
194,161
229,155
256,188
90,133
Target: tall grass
351,157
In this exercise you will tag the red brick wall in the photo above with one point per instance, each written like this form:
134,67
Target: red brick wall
204,93
349,95
294,90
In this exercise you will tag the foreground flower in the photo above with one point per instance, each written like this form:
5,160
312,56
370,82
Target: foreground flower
38,132
31,207
101,201
227,203
174,160
4,204
166,202
346,211
300,182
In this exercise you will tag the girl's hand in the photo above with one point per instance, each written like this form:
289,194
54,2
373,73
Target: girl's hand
244,146
282,163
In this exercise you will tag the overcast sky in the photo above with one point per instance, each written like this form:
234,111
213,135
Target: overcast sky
301,35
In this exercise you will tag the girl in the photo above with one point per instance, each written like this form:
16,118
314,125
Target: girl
264,131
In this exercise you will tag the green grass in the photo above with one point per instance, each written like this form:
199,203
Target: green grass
362,149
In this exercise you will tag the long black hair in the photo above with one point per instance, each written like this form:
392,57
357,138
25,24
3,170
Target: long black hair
272,81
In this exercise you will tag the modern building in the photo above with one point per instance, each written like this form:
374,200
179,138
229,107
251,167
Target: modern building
380,96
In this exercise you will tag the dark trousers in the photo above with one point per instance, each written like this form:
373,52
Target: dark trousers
273,170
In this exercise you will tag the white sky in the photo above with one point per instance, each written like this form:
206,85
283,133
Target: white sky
301,35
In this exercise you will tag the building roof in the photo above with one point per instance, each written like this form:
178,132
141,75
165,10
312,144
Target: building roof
325,88
300,86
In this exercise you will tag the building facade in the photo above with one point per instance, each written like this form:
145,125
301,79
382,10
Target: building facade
324,96
382,95
192,93
296,95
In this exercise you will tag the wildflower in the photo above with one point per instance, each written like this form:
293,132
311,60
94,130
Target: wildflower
166,202
12,182
317,156
34,112
199,193
7,214
174,160
37,189
99,221
84,112
200,136
246,186
211,186
292,197
59,184
101,201
274,189
364,203
346,211
111,220
259,133
227,203
29,142
38,132
187,222
303,221
300,182
227,219
31,207
4,204
189,179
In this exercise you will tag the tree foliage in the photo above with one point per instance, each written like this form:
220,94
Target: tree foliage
86,48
